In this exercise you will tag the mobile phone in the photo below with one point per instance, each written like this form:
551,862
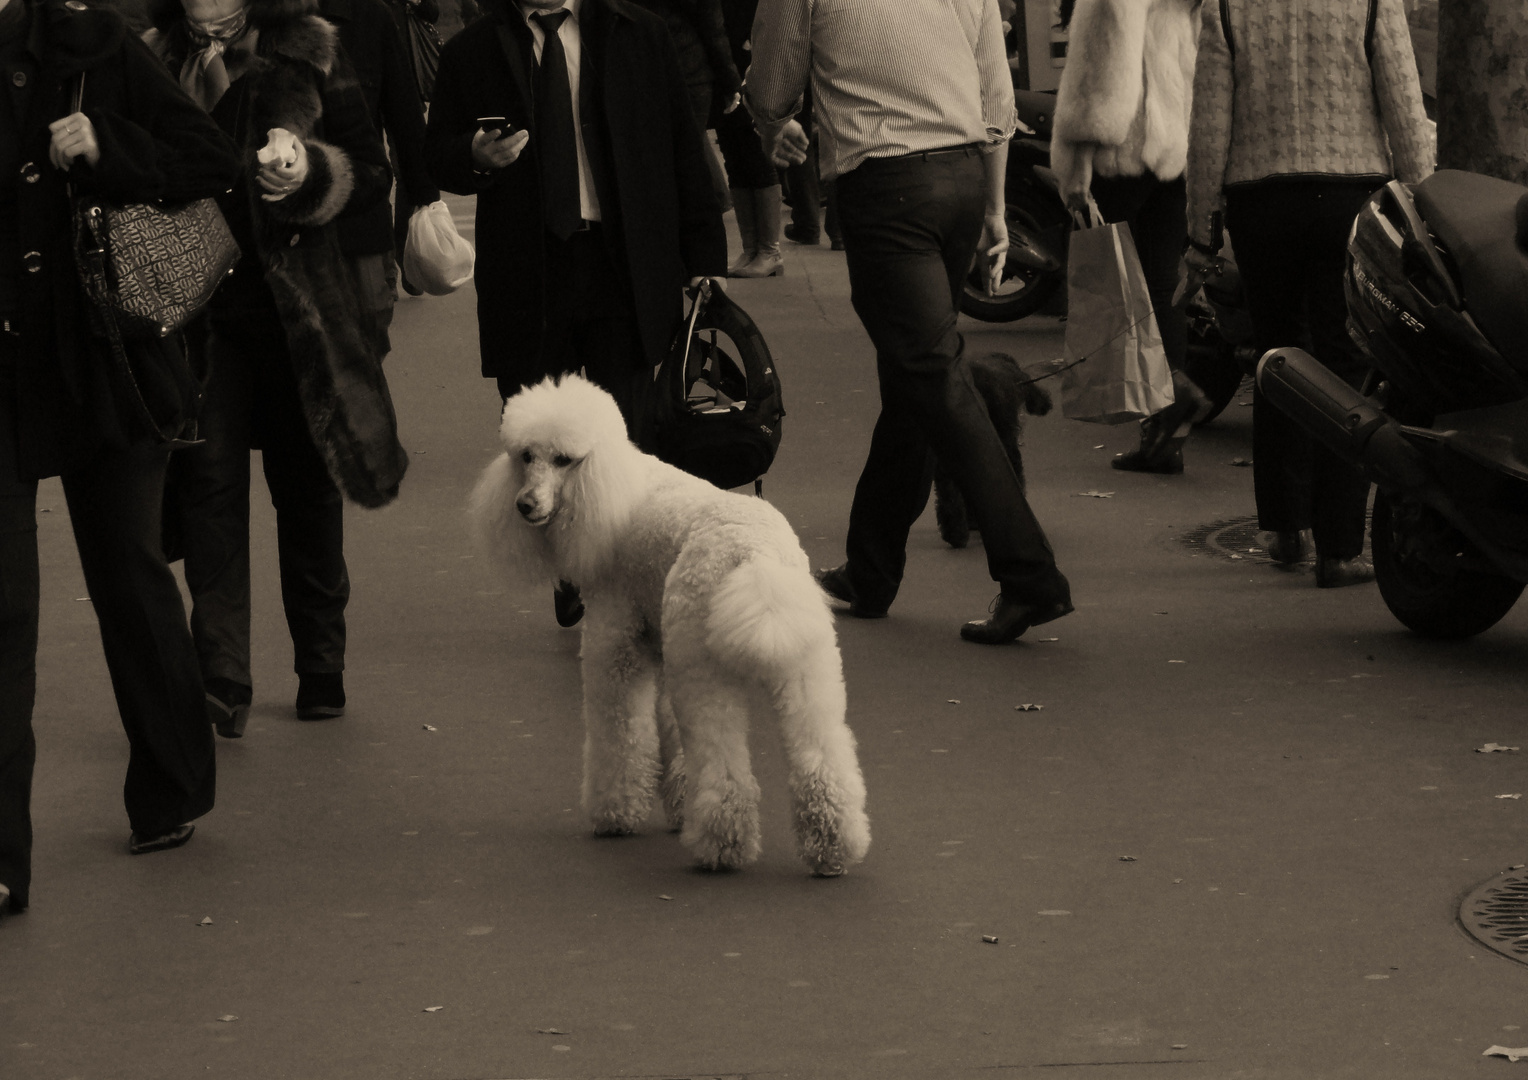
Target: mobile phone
490,123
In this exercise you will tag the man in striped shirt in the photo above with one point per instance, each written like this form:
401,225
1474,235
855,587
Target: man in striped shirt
914,110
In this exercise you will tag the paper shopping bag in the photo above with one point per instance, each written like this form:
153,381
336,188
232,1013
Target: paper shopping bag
1116,369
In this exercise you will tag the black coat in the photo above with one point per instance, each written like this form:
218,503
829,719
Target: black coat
663,213
155,144
379,56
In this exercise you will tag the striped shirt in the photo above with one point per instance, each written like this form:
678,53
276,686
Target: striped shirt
889,77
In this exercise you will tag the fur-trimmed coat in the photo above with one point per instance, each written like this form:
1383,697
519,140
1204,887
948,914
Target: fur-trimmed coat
293,269
1126,93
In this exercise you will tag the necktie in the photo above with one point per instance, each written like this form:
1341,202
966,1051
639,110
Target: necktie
556,149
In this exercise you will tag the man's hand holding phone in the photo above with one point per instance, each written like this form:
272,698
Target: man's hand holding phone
497,143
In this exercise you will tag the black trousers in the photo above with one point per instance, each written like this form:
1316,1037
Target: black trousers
910,227
1157,212
114,506
251,400
591,325
1291,245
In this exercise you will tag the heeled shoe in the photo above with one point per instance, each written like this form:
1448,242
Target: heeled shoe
228,706
835,582
320,695
1166,460
1010,618
175,838
1338,573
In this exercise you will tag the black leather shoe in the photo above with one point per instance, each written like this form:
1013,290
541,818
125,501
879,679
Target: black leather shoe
835,582
172,839
1337,573
228,706
567,604
1010,618
320,695
797,235
1168,460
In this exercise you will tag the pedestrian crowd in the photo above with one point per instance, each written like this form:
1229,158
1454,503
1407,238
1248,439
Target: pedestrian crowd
321,126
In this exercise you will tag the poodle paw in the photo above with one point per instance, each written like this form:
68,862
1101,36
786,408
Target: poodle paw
724,835
829,837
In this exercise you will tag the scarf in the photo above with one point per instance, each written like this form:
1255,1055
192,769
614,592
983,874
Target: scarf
204,75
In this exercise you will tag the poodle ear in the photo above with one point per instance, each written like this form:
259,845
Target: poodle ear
600,494
514,548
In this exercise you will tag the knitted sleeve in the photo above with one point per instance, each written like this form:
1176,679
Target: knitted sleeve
1398,93
1209,137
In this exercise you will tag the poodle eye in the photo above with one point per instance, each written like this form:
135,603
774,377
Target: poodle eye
562,461
527,457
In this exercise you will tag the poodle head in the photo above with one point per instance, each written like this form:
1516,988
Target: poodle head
555,502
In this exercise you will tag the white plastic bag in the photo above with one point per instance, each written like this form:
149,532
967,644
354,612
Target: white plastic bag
436,258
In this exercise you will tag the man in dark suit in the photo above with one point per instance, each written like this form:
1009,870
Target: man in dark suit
595,207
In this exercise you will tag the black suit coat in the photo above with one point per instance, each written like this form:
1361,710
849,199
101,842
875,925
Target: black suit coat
659,205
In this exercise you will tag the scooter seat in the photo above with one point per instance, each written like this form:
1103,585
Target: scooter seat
1480,221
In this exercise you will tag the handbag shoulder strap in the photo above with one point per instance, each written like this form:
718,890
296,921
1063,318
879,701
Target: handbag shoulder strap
1369,22
1225,28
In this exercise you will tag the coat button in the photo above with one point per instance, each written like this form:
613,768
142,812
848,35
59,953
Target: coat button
33,262
295,237
29,173
18,78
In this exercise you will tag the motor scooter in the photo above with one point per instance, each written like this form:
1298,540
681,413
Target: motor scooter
1437,293
1220,349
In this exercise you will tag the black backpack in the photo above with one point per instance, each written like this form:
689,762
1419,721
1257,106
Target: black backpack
719,405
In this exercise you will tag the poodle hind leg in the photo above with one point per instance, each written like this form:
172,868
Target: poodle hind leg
827,787
671,757
621,747
950,509
721,802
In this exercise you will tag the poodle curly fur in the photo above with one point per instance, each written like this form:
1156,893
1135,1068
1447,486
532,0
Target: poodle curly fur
700,606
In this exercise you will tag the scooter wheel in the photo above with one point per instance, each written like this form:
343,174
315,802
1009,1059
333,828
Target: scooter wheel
1023,289
1428,573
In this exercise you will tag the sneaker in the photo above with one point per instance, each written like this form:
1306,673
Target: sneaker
320,695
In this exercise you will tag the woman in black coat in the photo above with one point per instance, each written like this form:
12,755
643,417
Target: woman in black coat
138,138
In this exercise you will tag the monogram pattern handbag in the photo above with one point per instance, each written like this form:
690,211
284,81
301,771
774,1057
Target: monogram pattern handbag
148,269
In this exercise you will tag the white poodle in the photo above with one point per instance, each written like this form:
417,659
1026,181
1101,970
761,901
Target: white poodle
699,602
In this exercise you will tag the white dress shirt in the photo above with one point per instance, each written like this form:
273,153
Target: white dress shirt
572,47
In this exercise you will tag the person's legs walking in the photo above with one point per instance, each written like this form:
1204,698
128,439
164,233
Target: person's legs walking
115,508
19,604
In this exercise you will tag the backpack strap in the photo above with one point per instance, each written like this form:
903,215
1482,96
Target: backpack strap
1225,27
1369,22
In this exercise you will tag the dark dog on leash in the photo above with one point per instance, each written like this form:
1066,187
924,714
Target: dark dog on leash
1009,394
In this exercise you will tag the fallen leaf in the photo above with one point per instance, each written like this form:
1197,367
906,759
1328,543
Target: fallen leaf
1159,613
1100,446
1028,707
1495,748
551,1031
230,1018
1047,639
206,921
77,599
1180,1046
990,939
1053,912
1241,462
1127,858
1177,661
1511,1053
433,1008
429,727
1096,494
952,701
1518,795
664,896
1177,881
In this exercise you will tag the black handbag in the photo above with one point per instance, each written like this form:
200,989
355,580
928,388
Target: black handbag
147,270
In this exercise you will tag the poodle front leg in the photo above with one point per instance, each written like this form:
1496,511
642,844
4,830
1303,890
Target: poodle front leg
827,788
671,755
620,729
721,805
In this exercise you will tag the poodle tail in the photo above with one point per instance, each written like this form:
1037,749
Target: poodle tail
765,617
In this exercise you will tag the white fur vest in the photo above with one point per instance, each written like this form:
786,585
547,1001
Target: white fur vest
1123,106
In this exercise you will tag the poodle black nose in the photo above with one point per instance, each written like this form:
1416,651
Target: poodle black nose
526,507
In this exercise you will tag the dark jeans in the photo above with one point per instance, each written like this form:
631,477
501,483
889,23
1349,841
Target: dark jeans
114,507
251,400
1291,245
592,326
1157,212
910,228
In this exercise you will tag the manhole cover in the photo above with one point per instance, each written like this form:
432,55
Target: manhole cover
1233,538
1496,914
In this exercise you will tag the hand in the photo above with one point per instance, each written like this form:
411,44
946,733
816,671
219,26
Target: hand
1076,200
73,137
737,99
788,146
491,152
280,174
1196,267
993,249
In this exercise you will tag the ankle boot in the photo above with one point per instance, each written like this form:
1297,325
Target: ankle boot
1163,456
747,227
767,261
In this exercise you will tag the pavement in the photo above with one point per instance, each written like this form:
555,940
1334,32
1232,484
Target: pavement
1231,842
